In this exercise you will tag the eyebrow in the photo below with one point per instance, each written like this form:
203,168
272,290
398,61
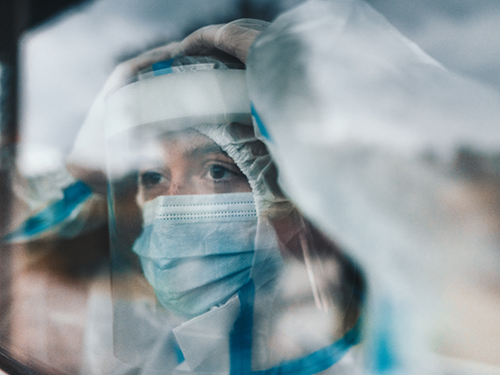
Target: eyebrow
205,149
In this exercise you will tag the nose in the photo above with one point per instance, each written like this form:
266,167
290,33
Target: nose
181,184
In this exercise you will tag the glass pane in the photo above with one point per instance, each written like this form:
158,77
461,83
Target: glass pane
172,246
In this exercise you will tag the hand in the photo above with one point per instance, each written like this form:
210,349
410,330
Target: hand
234,38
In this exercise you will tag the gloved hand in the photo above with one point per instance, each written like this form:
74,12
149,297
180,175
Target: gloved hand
87,160
234,38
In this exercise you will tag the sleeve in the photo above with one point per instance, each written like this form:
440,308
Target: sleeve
366,130
54,204
365,127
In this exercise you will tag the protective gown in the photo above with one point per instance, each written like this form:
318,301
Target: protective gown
256,328
357,119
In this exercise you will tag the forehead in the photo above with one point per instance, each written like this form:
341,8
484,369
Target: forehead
156,149
189,142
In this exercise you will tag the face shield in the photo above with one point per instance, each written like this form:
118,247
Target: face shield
213,269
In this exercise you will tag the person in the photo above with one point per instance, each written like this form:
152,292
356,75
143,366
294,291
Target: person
237,279
356,174
218,238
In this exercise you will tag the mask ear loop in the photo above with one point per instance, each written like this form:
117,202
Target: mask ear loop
295,237
320,298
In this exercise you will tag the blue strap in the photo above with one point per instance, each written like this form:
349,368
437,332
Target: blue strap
241,345
241,335
260,124
54,214
178,352
319,360
162,67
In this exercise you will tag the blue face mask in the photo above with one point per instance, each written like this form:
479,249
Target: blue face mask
197,251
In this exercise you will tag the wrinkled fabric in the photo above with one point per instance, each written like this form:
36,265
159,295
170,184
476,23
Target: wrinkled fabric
253,159
364,128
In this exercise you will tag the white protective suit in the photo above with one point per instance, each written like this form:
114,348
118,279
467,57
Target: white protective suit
267,308
363,127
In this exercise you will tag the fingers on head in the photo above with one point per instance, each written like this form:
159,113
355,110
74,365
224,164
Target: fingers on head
155,55
249,23
201,41
236,39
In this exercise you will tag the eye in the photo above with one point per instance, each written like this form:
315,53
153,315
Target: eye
218,172
150,178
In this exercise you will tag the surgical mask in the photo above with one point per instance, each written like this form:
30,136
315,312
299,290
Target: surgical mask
197,251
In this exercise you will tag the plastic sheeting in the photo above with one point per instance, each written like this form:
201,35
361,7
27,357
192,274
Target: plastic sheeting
366,130
374,143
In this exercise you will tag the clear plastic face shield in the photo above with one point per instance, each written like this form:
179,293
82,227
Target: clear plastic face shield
213,270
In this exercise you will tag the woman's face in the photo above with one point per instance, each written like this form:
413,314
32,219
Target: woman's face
190,163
